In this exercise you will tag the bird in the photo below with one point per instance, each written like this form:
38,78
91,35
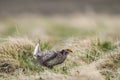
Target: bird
50,58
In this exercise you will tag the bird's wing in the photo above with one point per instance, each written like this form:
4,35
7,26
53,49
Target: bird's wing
37,50
57,60
48,55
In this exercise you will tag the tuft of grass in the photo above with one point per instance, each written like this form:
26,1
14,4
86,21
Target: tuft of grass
45,45
109,65
65,67
18,53
62,70
27,62
104,45
92,55
98,49
12,48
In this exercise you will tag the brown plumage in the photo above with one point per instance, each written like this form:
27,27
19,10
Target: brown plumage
50,58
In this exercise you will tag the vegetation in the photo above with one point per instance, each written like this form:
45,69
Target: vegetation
92,59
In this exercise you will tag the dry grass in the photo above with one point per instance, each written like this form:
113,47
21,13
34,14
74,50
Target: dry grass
10,52
93,39
75,67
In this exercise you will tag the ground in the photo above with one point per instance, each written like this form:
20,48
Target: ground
94,39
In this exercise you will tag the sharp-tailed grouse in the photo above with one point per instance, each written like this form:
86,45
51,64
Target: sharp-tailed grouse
50,58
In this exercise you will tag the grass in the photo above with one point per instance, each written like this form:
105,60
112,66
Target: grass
10,31
20,51
92,59
54,30
19,56
67,31
98,49
104,45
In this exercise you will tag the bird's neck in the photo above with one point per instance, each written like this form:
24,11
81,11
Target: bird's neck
64,52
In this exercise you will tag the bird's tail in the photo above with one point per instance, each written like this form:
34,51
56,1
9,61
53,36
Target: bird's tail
37,50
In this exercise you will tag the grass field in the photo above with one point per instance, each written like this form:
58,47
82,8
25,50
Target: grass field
94,39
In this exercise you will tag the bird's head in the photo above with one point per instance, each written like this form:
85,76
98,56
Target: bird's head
66,51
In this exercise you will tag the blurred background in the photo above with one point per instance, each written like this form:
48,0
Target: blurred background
56,20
